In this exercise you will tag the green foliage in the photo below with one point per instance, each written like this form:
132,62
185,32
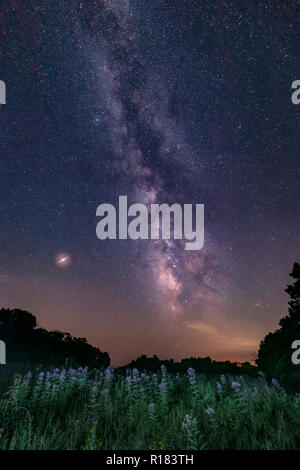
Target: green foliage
103,409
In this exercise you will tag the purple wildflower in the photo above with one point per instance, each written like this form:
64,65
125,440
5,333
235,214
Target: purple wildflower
62,374
275,383
235,385
162,386
189,424
109,373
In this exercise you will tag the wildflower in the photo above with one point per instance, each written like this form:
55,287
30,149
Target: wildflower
275,383
191,372
189,423
162,386
93,390
109,373
62,374
219,386
152,413
163,369
235,385
210,411
223,378
135,372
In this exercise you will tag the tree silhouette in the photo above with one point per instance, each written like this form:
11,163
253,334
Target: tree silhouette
274,355
201,365
26,343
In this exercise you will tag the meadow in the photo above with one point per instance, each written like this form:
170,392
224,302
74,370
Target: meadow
105,409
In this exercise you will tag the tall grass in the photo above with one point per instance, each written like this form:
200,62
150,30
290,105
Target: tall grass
82,409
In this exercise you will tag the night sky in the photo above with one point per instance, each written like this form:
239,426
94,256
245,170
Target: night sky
162,101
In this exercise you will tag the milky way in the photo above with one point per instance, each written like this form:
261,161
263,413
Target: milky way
161,101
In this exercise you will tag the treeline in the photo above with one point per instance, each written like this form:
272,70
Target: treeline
200,365
25,343
275,351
